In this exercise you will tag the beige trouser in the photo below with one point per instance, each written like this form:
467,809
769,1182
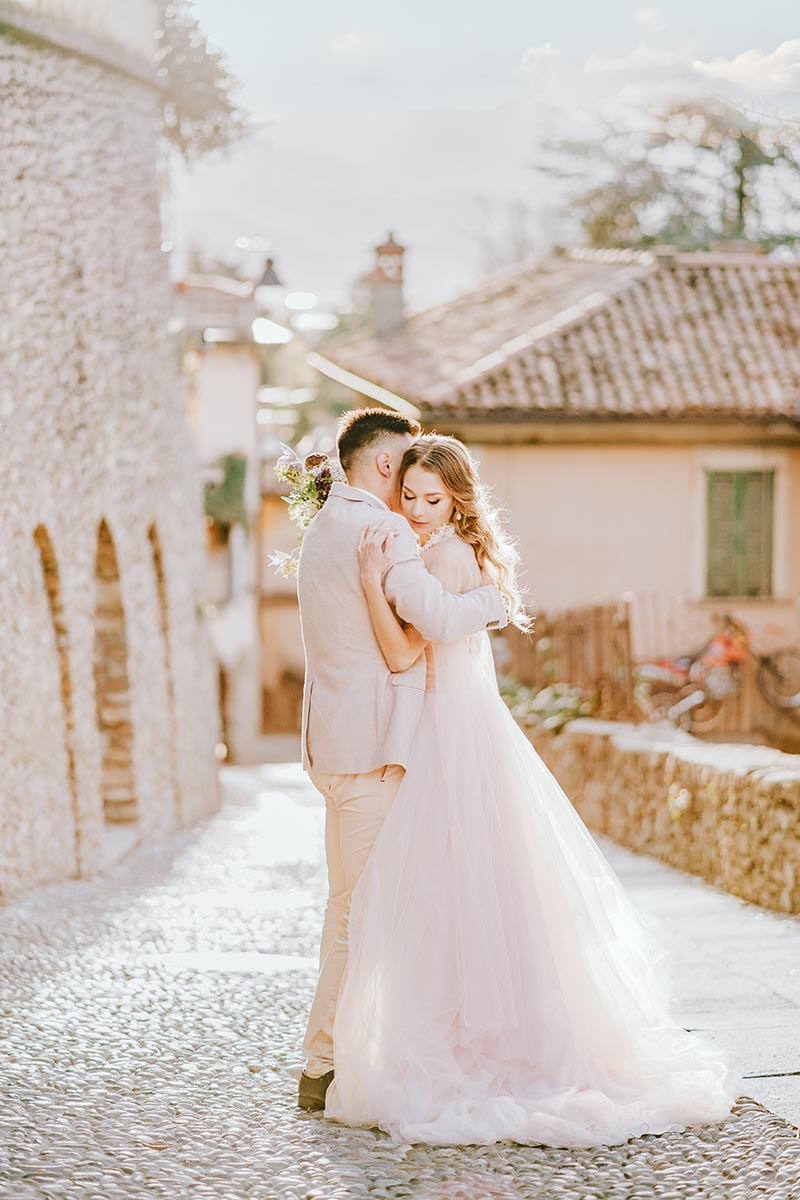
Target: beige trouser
355,807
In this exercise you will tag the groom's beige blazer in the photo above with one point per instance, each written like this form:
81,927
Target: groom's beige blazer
357,715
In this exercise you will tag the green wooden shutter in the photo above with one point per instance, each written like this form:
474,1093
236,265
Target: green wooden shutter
739,525
756,533
721,557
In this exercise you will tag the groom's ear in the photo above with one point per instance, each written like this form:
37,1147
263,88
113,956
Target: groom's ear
383,461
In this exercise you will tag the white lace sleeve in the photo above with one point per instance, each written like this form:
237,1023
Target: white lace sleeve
454,564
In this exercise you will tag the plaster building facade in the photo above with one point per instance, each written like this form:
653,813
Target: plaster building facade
636,413
223,368
107,696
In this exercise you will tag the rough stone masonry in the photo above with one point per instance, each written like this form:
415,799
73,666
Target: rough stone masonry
107,703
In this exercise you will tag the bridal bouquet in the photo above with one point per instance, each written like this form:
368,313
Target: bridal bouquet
309,480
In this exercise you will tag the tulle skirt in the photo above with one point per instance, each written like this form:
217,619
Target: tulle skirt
500,983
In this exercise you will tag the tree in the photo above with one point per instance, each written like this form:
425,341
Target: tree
701,172
502,230
199,108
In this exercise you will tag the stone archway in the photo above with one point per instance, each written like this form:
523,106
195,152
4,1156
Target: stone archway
52,585
163,607
112,689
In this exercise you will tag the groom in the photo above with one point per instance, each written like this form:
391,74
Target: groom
359,720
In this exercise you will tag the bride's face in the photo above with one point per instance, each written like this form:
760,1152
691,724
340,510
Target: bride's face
425,501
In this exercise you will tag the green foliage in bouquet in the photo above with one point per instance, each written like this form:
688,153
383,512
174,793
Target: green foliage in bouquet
309,481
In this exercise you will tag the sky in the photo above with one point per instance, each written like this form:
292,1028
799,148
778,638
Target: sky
425,118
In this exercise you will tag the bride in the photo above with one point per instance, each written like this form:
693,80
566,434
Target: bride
500,983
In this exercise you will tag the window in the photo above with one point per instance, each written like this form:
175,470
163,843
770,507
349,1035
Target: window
739,525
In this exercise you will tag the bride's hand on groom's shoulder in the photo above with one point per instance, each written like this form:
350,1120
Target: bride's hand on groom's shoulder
375,552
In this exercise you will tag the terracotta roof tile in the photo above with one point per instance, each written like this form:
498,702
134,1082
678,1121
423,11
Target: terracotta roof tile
601,335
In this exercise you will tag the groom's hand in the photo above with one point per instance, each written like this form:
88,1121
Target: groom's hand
374,552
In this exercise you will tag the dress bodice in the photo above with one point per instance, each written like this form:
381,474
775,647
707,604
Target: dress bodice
453,562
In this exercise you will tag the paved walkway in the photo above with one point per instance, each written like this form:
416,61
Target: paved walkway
152,1017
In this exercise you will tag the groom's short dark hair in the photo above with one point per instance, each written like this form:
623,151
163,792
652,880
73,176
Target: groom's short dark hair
362,428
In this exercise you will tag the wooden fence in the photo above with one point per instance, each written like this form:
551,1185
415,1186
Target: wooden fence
595,648
587,647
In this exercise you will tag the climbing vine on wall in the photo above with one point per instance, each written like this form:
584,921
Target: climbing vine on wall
225,501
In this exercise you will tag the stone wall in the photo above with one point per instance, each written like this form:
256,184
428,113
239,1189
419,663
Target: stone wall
729,813
107,691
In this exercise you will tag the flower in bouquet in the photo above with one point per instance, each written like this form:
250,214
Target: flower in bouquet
309,481
284,563
288,468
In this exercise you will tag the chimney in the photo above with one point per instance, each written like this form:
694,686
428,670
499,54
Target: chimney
386,286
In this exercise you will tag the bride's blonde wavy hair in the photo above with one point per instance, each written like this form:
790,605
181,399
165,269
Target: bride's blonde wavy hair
476,519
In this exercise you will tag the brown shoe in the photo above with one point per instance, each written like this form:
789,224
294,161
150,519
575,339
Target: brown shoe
311,1092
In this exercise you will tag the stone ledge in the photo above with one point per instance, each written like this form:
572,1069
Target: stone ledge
729,813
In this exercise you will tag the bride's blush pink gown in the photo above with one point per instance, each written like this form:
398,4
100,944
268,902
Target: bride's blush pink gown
500,983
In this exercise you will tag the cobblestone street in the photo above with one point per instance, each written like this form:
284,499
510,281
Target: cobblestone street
153,1017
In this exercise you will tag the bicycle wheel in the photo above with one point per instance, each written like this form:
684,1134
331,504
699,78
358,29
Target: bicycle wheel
689,707
779,678
657,704
705,716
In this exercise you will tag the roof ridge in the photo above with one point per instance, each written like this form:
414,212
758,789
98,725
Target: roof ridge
559,323
731,258
610,254
670,256
489,283
486,287
496,279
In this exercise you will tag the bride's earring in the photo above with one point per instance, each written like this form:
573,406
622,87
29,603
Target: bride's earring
458,516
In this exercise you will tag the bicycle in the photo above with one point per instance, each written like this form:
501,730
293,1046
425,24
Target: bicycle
691,689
